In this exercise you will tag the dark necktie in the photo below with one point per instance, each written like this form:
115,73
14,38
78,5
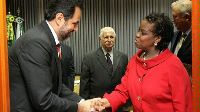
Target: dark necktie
109,62
180,42
58,47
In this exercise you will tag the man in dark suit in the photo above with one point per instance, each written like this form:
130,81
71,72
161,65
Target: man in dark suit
67,64
181,44
34,65
100,73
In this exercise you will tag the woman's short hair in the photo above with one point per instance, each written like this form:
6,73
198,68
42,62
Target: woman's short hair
163,27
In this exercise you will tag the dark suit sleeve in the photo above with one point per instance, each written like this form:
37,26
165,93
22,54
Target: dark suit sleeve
68,67
125,62
35,62
84,79
66,93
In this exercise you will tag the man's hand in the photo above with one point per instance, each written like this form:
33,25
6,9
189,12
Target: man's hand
101,104
88,105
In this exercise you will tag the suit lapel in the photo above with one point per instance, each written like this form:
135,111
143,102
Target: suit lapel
54,55
116,59
101,58
185,44
175,40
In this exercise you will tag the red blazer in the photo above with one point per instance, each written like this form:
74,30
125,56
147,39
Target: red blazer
160,84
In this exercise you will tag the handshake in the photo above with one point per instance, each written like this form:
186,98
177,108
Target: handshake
93,105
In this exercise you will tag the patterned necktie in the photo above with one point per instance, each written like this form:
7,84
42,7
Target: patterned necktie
110,65
58,47
180,42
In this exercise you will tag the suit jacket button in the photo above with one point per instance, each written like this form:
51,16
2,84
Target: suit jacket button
144,64
139,99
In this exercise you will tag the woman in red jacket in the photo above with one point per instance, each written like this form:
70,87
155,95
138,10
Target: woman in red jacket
155,79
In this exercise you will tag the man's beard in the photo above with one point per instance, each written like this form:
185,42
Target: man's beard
65,35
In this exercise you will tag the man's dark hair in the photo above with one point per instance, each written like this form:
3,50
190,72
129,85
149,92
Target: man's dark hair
67,7
163,27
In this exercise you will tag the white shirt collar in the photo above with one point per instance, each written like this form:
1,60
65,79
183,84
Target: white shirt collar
111,53
188,31
105,52
54,33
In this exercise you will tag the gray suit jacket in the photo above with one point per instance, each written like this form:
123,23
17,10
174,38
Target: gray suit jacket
68,70
185,52
95,76
35,75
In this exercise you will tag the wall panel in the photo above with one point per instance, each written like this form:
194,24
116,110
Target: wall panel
123,15
196,54
4,78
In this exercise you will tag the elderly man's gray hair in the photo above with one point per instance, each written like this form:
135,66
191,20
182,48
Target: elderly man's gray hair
184,6
107,29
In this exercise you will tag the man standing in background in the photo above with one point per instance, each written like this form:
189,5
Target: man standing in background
181,44
102,69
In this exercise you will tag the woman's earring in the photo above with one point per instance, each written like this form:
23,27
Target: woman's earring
155,44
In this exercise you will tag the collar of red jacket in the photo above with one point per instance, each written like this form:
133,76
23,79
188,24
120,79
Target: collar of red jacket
147,64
